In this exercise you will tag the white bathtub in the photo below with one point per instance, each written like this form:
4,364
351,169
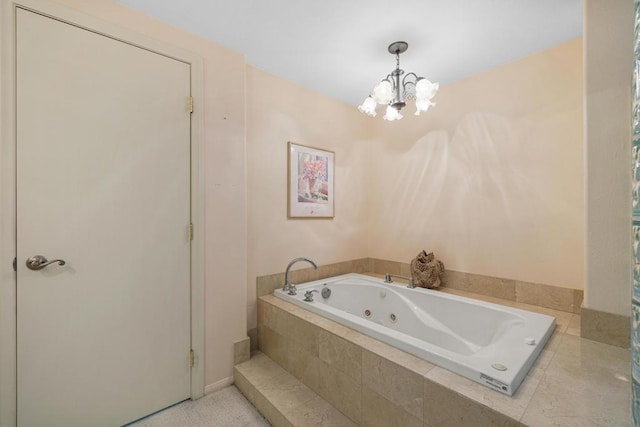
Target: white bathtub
492,344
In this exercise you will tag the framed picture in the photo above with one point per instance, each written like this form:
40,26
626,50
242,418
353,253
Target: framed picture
310,184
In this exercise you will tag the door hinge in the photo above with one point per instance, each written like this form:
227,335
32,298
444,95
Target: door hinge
192,358
190,231
15,264
190,104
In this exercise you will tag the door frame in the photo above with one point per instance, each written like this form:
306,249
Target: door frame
8,279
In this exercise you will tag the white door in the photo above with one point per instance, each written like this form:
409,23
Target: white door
103,183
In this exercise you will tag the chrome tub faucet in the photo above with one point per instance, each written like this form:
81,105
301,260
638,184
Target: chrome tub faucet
410,284
289,287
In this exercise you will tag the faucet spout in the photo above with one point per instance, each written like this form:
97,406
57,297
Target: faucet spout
288,286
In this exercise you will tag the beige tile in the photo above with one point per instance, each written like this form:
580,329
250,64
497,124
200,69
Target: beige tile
379,412
511,406
252,314
475,283
265,285
331,270
408,361
341,354
286,393
341,391
586,384
303,275
253,337
554,341
304,333
259,370
341,331
381,266
579,353
244,385
241,351
362,265
337,269
612,329
579,399
578,297
273,345
444,408
303,365
291,309
319,413
263,405
557,405
405,269
273,317
574,326
545,296
540,365
394,382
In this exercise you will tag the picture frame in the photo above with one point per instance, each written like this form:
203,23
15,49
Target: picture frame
310,184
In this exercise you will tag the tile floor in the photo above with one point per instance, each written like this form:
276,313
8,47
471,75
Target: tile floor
224,408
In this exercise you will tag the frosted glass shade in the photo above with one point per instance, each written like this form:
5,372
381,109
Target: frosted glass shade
422,105
392,114
368,107
383,92
425,89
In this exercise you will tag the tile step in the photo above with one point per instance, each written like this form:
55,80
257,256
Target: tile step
281,398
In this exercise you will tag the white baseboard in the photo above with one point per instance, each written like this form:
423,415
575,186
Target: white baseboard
218,385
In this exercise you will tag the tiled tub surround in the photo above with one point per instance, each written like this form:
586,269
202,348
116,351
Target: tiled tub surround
557,298
575,382
464,335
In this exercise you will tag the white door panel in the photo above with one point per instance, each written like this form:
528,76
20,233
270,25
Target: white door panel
103,182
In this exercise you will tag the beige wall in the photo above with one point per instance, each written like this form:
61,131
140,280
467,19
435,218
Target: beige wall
279,111
608,35
224,117
491,179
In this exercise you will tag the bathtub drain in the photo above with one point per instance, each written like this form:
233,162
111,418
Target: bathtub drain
367,313
393,317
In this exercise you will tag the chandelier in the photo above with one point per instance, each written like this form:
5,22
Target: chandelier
394,92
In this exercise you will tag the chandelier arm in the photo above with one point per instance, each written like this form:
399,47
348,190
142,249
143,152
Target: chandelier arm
405,82
391,79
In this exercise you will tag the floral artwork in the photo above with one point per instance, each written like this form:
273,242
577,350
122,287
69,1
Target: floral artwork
313,179
310,182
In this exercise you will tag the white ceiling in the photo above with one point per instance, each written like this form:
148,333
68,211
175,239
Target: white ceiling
339,47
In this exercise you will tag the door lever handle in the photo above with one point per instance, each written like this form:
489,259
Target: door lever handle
38,262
